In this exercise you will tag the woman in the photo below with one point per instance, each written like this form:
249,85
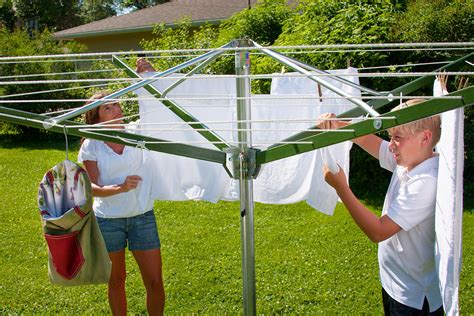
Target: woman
121,184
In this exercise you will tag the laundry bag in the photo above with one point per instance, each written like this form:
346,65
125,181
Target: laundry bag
76,249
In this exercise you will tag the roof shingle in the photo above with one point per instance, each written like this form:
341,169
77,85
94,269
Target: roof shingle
168,13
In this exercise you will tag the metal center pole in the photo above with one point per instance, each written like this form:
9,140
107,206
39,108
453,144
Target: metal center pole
242,65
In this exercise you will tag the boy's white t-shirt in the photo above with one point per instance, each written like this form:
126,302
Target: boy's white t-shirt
113,169
406,260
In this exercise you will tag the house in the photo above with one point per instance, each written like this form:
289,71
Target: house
124,32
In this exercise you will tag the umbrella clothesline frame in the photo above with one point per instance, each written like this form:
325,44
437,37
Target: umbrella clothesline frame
243,162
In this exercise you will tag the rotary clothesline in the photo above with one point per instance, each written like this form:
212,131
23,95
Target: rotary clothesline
243,161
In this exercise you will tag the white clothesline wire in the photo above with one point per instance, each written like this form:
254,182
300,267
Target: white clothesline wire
436,46
59,73
108,124
154,57
144,142
292,97
54,90
256,76
116,69
173,129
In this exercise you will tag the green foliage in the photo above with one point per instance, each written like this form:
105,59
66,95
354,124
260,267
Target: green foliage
50,13
93,10
262,23
180,38
428,21
138,4
306,262
339,22
20,43
7,15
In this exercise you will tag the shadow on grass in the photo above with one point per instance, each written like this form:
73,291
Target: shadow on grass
43,140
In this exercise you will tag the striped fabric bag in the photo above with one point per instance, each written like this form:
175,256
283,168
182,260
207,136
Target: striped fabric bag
76,250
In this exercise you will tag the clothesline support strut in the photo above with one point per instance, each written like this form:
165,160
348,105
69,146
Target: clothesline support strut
211,136
58,119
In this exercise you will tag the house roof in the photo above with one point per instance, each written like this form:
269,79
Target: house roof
199,11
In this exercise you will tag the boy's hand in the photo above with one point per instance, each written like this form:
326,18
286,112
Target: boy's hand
337,180
144,65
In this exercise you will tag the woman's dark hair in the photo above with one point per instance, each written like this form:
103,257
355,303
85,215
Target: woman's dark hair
92,116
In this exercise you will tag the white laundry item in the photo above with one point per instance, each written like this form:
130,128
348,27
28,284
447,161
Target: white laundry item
449,204
182,178
287,180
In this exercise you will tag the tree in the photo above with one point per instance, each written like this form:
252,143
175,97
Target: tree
20,43
7,15
133,5
50,14
93,10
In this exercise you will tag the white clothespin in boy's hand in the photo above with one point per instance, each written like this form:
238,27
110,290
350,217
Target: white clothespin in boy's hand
329,160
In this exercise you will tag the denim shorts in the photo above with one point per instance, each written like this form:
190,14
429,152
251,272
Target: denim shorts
139,231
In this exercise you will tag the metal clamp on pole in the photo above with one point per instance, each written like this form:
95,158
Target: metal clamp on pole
242,164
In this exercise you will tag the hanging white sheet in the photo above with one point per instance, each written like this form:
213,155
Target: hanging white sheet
449,204
284,181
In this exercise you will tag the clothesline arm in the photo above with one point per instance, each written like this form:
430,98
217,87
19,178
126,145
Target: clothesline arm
120,137
365,127
378,103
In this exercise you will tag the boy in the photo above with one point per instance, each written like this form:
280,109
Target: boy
405,231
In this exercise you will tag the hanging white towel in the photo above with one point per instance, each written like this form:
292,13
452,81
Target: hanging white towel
449,204
288,180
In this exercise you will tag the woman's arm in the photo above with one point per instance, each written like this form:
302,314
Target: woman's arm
130,183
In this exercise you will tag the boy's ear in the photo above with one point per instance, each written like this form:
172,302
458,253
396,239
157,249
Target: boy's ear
427,137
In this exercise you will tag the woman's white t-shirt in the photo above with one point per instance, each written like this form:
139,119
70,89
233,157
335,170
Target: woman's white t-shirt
113,169
406,260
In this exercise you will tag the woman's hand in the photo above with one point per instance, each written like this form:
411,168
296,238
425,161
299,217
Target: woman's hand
130,183
329,121
143,65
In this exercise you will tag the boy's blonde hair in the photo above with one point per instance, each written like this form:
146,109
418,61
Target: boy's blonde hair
432,123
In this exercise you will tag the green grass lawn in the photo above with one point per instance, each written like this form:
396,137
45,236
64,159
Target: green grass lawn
306,262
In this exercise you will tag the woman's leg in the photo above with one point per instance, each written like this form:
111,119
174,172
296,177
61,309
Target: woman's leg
149,262
117,296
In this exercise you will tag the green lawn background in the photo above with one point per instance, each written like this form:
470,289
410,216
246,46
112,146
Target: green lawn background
305,261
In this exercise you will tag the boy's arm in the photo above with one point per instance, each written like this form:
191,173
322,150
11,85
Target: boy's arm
377,229
369,143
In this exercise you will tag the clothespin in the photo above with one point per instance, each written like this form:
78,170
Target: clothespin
462,82
67,145
283,70
348,62
141,144
320,93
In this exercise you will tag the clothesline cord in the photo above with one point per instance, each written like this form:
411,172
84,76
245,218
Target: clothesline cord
431,46
54,90
256,76
293,98
286,120
147,129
